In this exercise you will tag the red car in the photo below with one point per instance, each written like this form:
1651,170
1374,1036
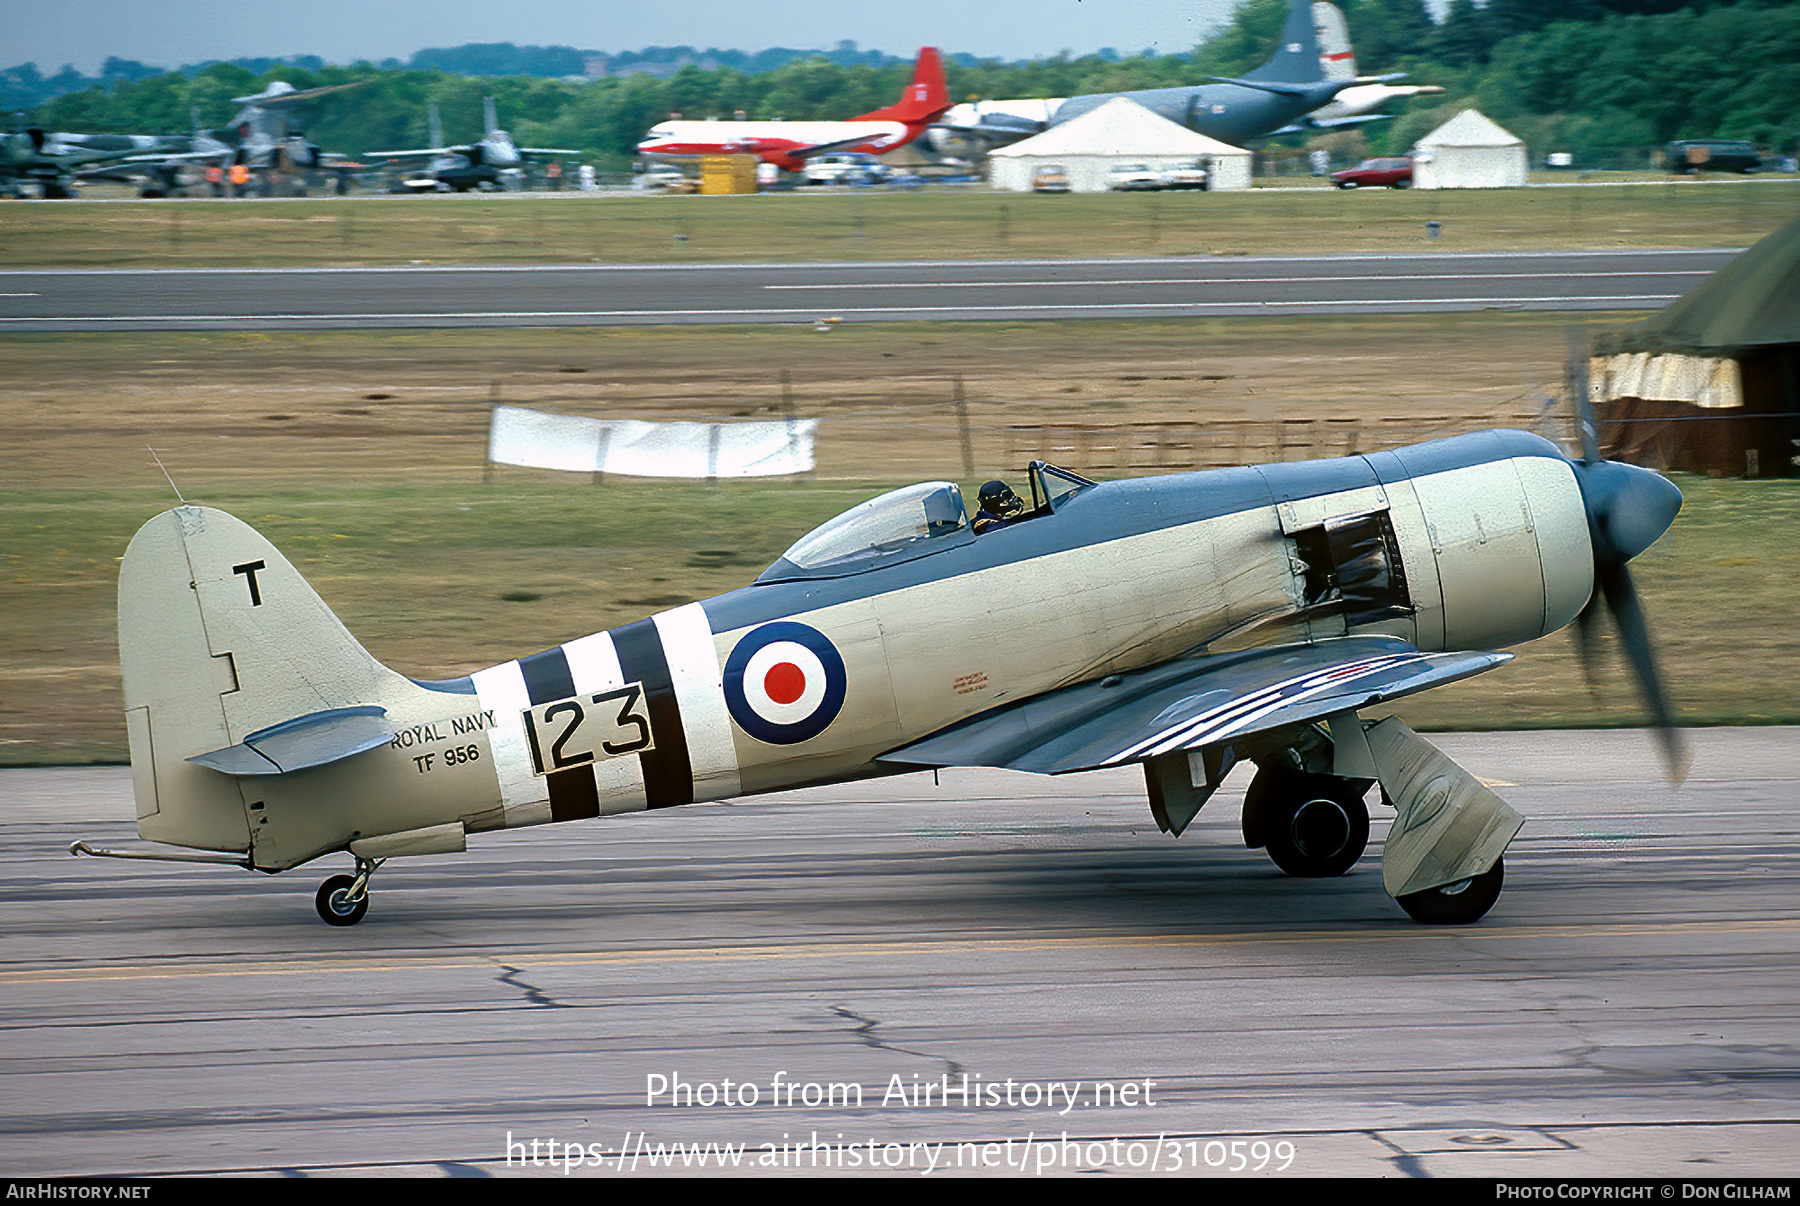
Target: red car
1376,173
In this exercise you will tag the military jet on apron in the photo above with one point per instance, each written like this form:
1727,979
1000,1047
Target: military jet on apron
263,142
487,164
1182,623
52,161
265,139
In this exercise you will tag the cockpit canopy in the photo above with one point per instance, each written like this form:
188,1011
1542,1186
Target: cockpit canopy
907,523
900,524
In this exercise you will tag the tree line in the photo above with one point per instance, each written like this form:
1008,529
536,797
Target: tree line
1584,76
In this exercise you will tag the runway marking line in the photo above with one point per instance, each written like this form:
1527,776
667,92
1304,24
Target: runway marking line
1229,280
823,950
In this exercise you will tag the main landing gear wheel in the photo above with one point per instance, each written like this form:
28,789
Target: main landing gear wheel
335,904
1315,826
1460,903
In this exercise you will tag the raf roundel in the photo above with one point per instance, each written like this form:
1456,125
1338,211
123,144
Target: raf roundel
784,683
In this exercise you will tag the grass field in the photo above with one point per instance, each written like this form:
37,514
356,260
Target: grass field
361,454
931,224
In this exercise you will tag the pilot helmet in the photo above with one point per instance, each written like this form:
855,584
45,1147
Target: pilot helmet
997,498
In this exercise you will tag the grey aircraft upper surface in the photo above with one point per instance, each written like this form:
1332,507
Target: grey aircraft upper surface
1183,623
479,165
1265,101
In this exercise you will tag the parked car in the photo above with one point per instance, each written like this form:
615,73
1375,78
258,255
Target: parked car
1130,177
1376,173
1183,175
1712,155
1051,178
846,168
665,179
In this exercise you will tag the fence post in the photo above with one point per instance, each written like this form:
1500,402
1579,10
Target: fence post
962,429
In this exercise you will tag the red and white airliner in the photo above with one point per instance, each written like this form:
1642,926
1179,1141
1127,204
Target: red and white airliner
789,144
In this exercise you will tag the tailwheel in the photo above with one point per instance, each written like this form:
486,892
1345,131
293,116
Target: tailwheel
335,904
1460,903
343,899
1314,826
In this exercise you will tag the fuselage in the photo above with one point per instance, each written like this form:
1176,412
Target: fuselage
812,672
784,143
1231,113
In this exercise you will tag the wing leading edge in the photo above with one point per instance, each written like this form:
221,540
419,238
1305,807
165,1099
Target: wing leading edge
1189,703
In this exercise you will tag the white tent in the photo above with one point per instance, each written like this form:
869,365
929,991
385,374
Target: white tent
1469,151
1119,132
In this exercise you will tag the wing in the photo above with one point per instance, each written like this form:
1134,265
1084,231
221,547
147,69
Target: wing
1190,702
996,129
1312,125
463,150
828,148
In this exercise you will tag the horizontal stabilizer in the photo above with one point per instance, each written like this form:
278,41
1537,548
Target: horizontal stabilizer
307,741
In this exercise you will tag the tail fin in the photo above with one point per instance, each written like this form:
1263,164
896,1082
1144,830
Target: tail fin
925,100
224,646
1337,60
490,117
1296,59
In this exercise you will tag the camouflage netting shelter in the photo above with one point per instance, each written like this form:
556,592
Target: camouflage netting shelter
1711,384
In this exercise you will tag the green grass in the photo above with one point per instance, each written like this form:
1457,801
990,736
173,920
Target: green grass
947,224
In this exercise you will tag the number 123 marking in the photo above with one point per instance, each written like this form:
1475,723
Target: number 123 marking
587,729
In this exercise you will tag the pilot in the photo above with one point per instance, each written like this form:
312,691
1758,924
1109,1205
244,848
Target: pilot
1000,507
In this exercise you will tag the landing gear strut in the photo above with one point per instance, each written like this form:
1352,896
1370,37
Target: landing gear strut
1312,825
343,899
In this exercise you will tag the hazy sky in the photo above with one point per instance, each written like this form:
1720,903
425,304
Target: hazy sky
163,34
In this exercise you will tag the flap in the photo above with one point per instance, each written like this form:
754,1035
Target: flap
306,741
1189,703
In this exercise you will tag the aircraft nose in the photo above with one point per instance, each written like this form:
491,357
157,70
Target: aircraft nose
1629,508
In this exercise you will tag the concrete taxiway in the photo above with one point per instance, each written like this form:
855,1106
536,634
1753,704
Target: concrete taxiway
990,973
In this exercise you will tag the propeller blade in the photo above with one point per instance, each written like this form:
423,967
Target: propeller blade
1634,631
1586,425
1587,641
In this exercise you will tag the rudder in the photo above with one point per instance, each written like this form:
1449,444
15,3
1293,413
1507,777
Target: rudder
926,98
